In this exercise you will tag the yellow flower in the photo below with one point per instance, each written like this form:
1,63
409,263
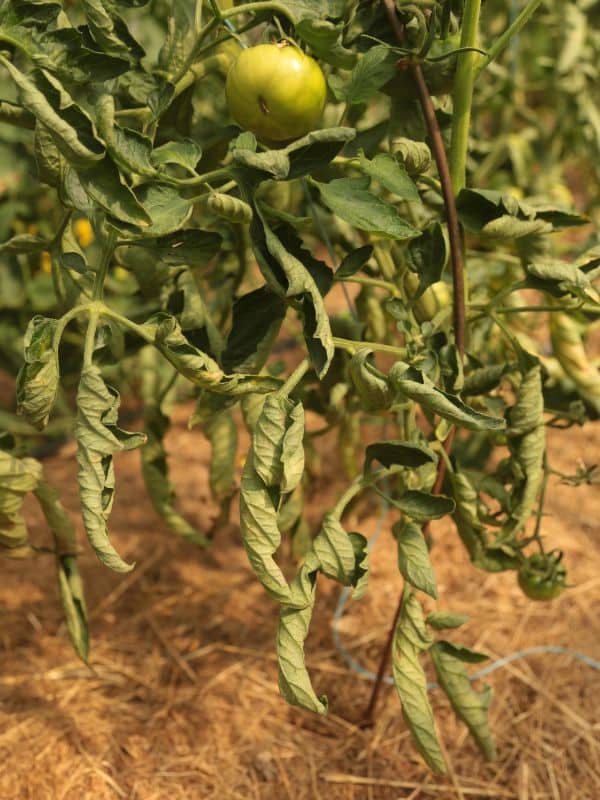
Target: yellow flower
84,232
46,262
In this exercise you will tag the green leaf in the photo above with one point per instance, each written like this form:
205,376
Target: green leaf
413,557
373,70
324,37
407,454
427,256
419,388
49,102
416,156
260,534
38,378
155,468
373,390
294,682
257,318
73,603
360,578
351,200
410,639
421,506
190,247
391,174
103,184
527,443
222,434
110,32
98,438
278,453
18,476
287,275
69,580
441,620
483,379
24,243
353,262
471,530
560,278
335,551
184,153
470,705
164,207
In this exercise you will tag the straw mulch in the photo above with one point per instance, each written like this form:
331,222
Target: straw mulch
183,699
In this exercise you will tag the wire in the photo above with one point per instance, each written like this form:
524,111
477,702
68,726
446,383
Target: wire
498,663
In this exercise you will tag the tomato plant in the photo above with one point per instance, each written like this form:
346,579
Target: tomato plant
152,249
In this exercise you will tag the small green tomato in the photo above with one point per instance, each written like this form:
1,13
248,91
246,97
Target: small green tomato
276,91
542,576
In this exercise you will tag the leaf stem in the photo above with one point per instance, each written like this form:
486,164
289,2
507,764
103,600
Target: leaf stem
90,338
352,347
294,379
366,281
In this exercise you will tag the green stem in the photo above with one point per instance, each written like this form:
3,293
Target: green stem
90,338
294,379
216,63
463,95
359,484
365,281
140,330
513,29
248,8
352,346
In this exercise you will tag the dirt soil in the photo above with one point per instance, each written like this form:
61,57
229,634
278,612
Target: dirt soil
182,701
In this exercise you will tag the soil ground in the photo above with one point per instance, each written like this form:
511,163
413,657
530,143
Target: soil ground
182,701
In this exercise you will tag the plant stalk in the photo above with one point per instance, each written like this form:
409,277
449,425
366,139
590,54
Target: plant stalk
463,95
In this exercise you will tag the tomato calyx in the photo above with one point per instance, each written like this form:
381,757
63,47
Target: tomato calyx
542,576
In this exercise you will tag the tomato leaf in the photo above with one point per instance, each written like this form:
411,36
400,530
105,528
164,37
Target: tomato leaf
98,438
470,705
413,557
351,200
38,378
410,639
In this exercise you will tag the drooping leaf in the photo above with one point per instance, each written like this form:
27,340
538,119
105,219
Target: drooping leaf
53,107
371,387
413,557
98,438
441,620
38,379
470,705
419,388
18,476
334,550
407,454
257,318
294,682
353,262
410,640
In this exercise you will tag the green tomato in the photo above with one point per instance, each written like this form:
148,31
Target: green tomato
276,91
542,576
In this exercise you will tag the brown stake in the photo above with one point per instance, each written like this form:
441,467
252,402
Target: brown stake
458,307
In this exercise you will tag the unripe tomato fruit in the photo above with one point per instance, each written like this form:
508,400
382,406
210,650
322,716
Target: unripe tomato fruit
275,91
542,576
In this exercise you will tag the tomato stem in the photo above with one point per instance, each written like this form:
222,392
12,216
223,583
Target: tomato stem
463,95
